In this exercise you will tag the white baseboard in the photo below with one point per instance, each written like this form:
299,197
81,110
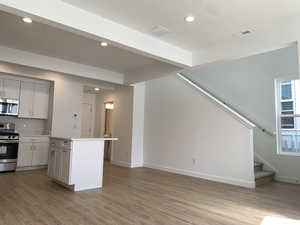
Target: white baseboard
126,164
31,168
291,180
137,165
120,163
226,180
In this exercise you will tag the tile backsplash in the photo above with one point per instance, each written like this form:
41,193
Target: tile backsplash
27,126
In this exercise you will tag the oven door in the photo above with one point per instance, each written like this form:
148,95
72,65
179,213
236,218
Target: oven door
8,151
9,107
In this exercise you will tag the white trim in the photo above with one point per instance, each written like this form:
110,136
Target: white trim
237,115
210,177
288,153
27,168
137,165
251,140
121,163
291,180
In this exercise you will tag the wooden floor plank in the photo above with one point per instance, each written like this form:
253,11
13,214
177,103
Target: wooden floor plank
141,196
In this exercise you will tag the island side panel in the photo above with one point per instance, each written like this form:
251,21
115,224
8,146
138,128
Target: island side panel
87,164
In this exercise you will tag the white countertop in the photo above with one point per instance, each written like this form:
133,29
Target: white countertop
85,139
34,135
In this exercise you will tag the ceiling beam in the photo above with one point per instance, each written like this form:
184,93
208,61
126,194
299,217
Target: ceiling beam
58,65
67,17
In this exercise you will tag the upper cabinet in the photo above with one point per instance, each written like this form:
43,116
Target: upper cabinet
9,88
41,101
34,100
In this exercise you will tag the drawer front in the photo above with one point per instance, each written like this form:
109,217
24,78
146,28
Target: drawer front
56,143
34,139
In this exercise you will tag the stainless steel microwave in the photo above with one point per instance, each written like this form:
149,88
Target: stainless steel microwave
9,107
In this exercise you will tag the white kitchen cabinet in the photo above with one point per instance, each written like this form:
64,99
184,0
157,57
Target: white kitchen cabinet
25,154
77,163
26,99
41,101
33,151
59,160
40,153
34,100
51,162
9,88
65,165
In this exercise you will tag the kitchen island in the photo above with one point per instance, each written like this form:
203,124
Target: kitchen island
77,163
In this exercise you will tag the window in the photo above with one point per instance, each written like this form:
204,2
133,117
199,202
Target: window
287,104
288,114
286,90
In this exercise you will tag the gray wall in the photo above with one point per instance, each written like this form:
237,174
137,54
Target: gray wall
248,85
122,97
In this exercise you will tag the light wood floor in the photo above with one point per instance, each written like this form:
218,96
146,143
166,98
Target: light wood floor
141,196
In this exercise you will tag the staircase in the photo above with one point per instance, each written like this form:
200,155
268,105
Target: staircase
262,176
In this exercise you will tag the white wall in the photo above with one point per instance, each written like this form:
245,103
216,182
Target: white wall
137,152
187,133
68,93
121,122
248,85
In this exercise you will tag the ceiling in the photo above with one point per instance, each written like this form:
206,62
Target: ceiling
46,40
217,21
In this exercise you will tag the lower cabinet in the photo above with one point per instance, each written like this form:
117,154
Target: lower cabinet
33,152
59,161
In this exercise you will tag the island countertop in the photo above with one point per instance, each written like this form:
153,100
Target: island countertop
84,139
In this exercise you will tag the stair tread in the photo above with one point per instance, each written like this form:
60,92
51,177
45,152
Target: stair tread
257,164
262,174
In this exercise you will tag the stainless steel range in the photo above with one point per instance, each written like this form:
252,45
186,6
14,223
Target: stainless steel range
9,143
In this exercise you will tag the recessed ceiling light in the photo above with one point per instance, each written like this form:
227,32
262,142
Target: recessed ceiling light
27,20
104,44
189,19
97,89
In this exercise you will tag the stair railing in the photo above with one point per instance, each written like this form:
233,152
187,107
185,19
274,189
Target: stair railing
227,107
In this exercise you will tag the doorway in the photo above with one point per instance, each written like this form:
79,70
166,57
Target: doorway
86,120
108,107
88,106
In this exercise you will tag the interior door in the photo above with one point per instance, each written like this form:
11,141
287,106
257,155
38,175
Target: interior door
86,120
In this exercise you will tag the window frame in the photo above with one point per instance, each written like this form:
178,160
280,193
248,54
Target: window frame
278,106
